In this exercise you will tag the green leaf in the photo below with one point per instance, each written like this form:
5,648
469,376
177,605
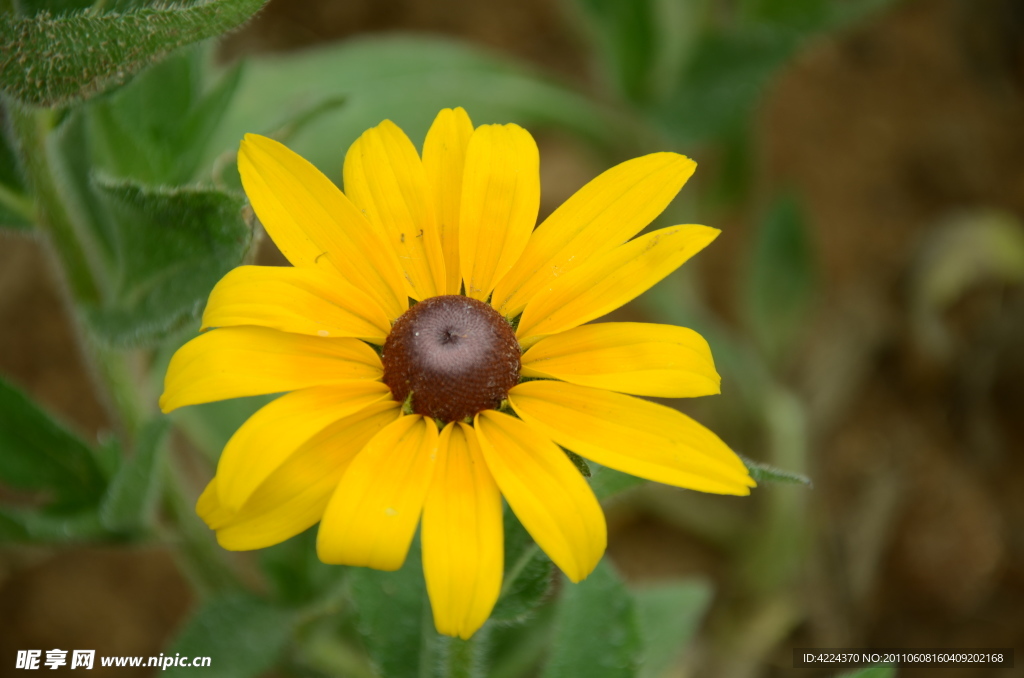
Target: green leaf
627,39
764,473
596,631
527,578
579,462
295,573
54,60
393,618
723,82
668,616
406,79
156,129
131,500
887,671
607,482
174,245
38,453
51,527
243,636
780,285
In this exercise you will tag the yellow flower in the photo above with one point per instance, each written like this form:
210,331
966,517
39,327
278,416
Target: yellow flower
436,410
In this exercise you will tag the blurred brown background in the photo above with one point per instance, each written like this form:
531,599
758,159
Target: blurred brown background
887,131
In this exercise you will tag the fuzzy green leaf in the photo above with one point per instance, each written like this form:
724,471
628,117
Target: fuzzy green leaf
527,579
295,573
37,453
242,635
155,129
669,616
392,616
51,61
174,244
764,473
596,631
607,482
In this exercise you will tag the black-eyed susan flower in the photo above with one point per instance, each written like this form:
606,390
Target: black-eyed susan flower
398,411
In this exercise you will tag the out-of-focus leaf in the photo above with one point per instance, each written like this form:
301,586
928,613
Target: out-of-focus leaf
627,38
723,82
296,575
37,453
156,128
607,482
781,279
668,616
527,577
131,500
730,67
983,246
888,671
174,244
407,79
808,16
765,473
243,636
49,527
392,617
596,631
50,60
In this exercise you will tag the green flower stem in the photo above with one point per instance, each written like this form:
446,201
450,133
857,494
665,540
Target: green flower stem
17,203
460,658
31,128
83,268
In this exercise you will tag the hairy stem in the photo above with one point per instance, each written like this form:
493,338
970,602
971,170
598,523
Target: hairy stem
31,128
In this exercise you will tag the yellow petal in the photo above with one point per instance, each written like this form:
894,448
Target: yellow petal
269,437
209,508
637,358
232,362
372,516
444,157
314,224
546,492
463,549
602,215
385,179
610,280
293,497
500,199
300,300
632,435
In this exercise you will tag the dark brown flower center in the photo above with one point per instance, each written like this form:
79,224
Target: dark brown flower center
457,356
